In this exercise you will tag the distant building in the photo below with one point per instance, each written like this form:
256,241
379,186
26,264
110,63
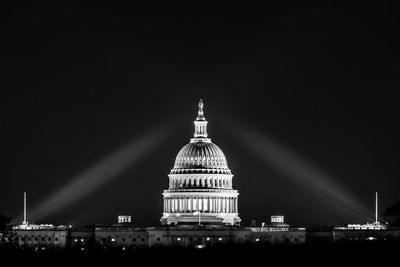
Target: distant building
124,219
42,237
199,237
121,237
376,225
277,231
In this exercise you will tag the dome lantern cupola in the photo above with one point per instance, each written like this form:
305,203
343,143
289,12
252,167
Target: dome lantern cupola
200,126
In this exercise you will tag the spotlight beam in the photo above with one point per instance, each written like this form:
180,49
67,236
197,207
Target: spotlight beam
300,171
101,173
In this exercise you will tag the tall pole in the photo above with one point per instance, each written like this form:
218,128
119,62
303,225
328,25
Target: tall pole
376,207
24,222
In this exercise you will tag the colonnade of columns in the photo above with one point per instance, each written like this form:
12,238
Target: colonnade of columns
202,204
200,182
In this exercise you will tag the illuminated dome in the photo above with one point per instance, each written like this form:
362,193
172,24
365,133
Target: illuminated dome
200,183
200,155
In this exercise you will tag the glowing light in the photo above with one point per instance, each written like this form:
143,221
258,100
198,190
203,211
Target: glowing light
179,239
299,170
220,239
257,239
113,240
101,173
208,239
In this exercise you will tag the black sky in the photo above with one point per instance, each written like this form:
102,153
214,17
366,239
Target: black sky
81,80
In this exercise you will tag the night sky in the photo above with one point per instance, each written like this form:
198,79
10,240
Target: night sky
82,81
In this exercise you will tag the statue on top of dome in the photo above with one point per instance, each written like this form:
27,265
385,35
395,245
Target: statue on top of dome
201,104
201,113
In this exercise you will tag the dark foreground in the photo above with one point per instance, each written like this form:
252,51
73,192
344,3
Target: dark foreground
359,254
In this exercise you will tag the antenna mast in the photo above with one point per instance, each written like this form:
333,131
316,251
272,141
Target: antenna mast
376,207
24,222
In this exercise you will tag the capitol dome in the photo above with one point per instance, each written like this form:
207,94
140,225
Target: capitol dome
200,183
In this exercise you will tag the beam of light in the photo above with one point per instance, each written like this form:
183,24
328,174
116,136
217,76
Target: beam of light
300,171
100,174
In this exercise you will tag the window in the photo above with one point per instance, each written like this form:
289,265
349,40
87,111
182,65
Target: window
49,239
134,239
142,239
56,239
158,239
123,239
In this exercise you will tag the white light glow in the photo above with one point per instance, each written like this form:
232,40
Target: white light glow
101,173
299,170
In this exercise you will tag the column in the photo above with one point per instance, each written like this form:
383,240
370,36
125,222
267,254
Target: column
236,205
213,204
225,205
